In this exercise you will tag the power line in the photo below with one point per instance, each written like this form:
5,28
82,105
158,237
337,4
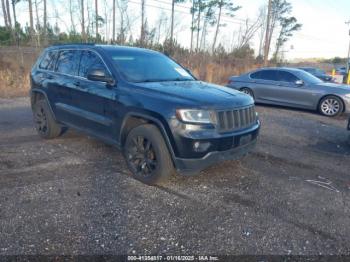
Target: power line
182,12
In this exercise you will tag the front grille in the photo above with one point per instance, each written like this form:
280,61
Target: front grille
235,119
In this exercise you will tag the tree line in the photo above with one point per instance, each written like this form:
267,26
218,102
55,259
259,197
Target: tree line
88,18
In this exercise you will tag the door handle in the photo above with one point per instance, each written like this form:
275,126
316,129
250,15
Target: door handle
76,83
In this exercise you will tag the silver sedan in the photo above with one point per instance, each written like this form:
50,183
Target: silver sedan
293,88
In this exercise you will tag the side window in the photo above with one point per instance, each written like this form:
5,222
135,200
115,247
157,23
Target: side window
90,60
48,60
269,75
256,75
68,62
286,77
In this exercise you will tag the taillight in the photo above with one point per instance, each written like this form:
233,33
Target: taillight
230,82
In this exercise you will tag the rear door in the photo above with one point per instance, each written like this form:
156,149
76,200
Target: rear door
265,85
63,88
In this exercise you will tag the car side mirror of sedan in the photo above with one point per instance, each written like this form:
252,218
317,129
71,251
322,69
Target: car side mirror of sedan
100,75
299,82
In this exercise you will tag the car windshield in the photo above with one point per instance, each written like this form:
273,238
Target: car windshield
309,78
148,67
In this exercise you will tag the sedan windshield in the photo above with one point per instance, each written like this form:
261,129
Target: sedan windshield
148,67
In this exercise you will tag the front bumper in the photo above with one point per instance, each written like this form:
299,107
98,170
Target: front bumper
193,166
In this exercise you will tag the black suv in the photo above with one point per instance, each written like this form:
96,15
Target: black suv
145,104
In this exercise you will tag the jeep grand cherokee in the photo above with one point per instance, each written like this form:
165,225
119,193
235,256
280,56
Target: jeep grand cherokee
145,104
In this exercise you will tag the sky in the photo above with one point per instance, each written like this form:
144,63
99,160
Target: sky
323,33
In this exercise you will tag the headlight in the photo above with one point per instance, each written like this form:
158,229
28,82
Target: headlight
196,116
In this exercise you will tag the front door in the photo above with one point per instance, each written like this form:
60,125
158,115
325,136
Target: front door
95,97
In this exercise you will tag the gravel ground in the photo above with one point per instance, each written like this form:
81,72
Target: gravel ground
74,195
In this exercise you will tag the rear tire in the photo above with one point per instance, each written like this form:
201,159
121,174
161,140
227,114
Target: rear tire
45,124
147,155
331,106
247,91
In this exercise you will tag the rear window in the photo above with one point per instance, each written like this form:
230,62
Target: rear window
265,75
48,61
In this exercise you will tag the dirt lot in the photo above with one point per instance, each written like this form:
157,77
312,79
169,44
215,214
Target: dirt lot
74,195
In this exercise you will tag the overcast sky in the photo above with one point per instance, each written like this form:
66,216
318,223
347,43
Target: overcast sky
323,34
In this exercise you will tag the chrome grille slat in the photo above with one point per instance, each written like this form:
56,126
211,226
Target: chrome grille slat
235,119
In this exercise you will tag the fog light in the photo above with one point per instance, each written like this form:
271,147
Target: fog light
201,146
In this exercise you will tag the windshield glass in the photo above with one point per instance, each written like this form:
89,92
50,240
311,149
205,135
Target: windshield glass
148,67
309,78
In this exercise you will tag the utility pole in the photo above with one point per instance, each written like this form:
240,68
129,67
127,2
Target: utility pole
267,33
347,61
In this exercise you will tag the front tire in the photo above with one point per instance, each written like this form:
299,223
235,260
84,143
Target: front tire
331,106
147,155
44,122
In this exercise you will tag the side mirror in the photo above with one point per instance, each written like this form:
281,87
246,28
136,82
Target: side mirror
299,82
99,75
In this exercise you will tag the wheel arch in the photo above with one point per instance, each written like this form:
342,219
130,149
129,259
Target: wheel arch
324,96
37,94
134,119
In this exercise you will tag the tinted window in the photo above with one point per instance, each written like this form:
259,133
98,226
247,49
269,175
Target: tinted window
48,60
90,60
265,75
68,62
286,77
256,75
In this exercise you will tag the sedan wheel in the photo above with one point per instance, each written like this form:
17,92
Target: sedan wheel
331,106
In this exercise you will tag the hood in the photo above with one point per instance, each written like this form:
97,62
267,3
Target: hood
198,93
336,86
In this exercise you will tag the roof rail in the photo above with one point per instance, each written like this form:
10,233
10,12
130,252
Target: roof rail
63,44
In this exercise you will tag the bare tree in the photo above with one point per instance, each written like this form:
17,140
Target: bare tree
37,26
142,35
31,22
4,13
45,22
71,15
247,32
8,13
82,9
262,19
277,9
193,10
96,17
14,2
231,9
124,21
173,2
200,9
113,26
